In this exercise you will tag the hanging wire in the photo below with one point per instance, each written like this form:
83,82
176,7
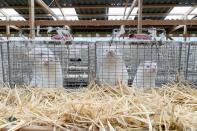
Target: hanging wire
51,3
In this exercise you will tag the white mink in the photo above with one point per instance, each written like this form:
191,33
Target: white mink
47,70
146,74
111,68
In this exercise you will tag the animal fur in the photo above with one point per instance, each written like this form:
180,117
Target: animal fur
146,74
47,70
111,68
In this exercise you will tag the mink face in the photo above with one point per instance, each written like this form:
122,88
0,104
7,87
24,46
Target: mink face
111,68
112,54
146,74
47,71
42,56
149,67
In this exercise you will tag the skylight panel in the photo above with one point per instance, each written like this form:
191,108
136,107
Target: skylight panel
194,11
1,14
13,14
2,17
178,13
180,10
117,13
134,11
56,11
69,13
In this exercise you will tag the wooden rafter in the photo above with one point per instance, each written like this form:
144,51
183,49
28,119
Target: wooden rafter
47,8
59,6
184,17
101,15
100,22
8,18
102,6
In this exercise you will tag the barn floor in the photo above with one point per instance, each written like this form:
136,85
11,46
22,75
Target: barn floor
172,107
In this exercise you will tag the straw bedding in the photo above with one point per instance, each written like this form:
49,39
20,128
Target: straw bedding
172,107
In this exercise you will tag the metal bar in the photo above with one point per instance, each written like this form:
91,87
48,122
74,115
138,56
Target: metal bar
9,65
89,63
139,30
187,62
95,63
2,65
179,61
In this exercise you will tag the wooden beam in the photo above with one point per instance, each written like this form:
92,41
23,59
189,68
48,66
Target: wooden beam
122,31
59,6
101,6
41,3
32,19
131,9
184,17
175,28
100,22
8,26
185,32
139,25
14,27
101,15
125,8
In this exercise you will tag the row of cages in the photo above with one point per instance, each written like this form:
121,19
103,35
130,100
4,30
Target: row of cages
76,64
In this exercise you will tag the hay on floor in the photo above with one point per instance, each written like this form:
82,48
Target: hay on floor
172,107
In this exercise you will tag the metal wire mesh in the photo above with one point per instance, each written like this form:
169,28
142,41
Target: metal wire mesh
83,62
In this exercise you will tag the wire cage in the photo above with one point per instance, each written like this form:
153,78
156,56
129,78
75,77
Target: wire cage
29,62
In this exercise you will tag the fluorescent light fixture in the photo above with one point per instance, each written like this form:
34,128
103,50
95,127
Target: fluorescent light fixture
13,14
117,13
180,11
69,13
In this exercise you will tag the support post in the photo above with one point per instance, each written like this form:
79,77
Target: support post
185,30
7,28
139,29
32,19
